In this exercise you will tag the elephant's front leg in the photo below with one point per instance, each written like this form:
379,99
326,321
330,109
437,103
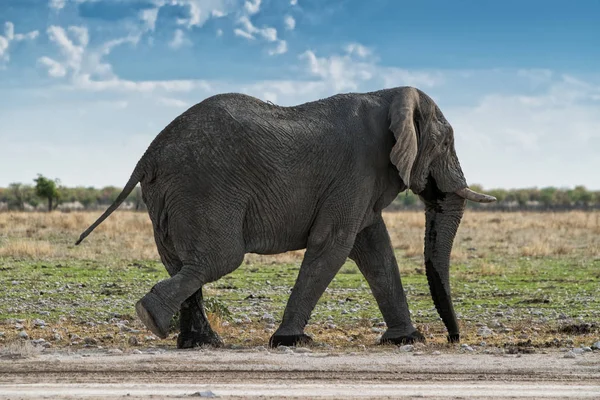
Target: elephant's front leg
195,330
374,255
321,262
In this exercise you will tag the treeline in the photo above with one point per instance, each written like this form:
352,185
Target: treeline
26,197
547,198
22,197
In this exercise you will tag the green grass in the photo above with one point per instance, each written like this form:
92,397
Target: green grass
521,294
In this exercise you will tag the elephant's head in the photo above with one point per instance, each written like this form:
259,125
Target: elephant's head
426,160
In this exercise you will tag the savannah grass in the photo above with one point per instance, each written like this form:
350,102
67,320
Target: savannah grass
529,276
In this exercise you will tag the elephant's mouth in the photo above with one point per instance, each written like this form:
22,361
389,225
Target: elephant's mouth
420,188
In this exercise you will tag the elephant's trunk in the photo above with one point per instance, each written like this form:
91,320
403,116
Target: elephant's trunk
443,216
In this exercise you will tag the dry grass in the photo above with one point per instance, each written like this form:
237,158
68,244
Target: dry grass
128,236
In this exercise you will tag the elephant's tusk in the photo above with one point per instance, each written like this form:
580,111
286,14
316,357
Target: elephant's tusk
474,196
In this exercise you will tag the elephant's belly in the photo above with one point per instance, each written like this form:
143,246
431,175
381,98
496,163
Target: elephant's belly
278,230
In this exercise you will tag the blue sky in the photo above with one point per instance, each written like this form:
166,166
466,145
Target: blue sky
87,84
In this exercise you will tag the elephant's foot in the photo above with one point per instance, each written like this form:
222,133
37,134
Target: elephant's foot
290,340
189,340
153,313
414,337
454,338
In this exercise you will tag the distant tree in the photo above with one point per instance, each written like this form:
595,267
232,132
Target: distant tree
16,196
46,189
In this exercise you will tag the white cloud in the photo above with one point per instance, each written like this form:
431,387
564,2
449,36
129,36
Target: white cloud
249,31
171,102
219,32
81,35
358,49
179,40
201,11
252,6
393,77
293,2
342,72
149,17
57,4
244,34
73,53
55,69
9,30
10,37
281,48
290,22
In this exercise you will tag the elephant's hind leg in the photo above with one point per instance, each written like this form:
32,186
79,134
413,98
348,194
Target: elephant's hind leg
165,298
195,330
374,255
203,260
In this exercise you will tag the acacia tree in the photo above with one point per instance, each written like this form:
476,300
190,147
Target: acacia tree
46,189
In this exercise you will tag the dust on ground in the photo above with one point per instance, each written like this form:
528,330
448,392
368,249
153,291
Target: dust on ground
297,373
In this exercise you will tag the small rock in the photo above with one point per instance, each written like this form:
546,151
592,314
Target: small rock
149,338
19,327
57,337
484,332
407,348
466,347
418,353
377,330
208,394
302,350
2,334
436,353
38,342
45,313
268,318
260,348
39,322
596,346
115,351
225,323
587,349
136,351
482,344
330,326
578,350
133,341
23,335
570,354
75,337
90,341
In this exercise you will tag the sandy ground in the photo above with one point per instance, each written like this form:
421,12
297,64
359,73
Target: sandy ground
287,374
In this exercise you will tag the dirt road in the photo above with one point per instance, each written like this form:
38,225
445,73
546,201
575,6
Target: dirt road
287,374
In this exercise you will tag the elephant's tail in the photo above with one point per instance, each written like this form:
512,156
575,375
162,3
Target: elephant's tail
136,176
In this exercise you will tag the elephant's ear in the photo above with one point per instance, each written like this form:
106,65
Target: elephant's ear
402,124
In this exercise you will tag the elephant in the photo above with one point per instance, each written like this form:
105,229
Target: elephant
234,175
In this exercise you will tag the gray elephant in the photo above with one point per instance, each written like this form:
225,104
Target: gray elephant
235,175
